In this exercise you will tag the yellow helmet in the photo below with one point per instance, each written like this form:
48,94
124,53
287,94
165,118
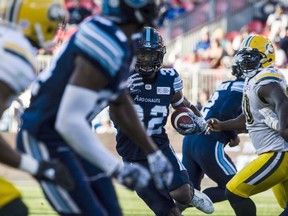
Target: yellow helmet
256,52
39,19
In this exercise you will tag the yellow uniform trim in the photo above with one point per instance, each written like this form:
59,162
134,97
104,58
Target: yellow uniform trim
21,52
268,75
8,192
267,171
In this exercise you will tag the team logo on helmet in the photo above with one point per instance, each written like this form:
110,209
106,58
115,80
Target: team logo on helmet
270,48
136,3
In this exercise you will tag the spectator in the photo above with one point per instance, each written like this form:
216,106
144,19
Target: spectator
203,44
215,53
284,43
280,55
277,22
174,9
264,9
78,13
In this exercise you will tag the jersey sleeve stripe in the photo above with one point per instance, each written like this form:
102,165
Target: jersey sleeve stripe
93,41
178,84
237,86
17,54
270,76
20,53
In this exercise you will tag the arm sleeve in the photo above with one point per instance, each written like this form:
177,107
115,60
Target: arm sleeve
77,103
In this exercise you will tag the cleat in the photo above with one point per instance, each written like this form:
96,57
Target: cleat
202,202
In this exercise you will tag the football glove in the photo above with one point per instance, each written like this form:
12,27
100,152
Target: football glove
198,126
56,173
161,169
133,176
271,119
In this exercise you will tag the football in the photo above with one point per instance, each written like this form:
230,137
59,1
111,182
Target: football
180,116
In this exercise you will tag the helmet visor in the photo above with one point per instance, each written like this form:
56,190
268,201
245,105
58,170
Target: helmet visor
249,60
149,57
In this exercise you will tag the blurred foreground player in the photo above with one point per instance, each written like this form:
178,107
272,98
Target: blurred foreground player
18,47
88,74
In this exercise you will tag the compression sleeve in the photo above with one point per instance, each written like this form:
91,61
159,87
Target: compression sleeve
71,123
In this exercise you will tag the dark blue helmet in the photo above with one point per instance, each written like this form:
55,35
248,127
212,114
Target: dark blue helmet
150,52
144,12
236,70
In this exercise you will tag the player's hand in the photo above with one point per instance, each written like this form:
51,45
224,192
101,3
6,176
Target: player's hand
133,176
56,173
213,125
198,126
271,119
134,81
234,142
161,169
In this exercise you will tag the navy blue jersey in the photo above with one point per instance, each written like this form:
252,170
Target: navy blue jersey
100,42
224,104
152,101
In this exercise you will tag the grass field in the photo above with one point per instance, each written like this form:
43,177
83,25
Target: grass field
134,206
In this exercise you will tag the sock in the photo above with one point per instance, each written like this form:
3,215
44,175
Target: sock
285,212
216,194
242,206
14,208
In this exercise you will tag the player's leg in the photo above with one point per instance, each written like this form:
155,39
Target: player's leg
266,171
103,188
190,161
10,200
218,166
81,200
281,194
181,189
160,202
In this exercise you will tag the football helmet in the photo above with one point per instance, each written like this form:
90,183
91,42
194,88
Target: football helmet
39,19
150,52
256,52
143,12
236,70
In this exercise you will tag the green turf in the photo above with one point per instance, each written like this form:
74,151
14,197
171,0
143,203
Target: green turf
134,206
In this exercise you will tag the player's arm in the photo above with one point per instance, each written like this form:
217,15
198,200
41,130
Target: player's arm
179,100
232,124
199,124
274,95
13,158
76,105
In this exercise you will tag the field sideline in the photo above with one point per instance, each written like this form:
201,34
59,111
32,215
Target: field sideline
133,206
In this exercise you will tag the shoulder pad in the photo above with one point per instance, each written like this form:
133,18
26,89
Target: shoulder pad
268,74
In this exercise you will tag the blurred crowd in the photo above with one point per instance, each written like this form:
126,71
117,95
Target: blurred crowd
215,49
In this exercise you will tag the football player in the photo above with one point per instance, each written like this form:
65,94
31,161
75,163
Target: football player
153,90
264,106
204,154
88,74
25,26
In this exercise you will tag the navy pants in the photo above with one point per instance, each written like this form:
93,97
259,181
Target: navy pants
160,202
94,193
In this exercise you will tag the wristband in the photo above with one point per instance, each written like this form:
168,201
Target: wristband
29,164
274,124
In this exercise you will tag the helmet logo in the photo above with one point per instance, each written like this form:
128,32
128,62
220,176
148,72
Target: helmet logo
270,48
136,3
114,3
